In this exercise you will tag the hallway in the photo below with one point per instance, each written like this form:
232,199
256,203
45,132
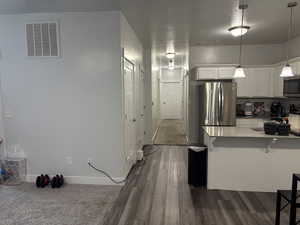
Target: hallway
170,132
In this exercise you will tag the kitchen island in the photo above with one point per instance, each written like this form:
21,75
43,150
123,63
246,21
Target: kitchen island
247,159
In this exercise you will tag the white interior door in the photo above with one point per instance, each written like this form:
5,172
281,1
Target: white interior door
129,110
171,100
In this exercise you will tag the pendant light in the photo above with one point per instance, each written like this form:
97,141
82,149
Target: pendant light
238,30
239,71
287,70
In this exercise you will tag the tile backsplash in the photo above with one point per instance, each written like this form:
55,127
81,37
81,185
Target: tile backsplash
267,102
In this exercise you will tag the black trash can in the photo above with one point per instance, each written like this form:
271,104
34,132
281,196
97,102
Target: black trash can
197,166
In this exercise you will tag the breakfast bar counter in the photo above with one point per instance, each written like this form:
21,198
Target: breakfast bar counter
241,132
246,159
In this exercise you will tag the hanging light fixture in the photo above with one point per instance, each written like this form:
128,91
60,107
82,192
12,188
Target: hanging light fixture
238,30
170,55
239,71
287,70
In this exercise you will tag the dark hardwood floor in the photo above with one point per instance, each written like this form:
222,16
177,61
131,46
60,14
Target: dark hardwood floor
157,193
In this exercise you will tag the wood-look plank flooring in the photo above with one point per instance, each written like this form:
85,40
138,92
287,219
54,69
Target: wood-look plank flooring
170,132
157,193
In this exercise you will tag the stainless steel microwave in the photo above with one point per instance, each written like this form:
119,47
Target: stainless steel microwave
291,87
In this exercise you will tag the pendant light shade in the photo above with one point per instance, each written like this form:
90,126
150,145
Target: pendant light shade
239,72
238,30
287,71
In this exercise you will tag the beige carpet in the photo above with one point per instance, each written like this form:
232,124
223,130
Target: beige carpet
70,205
171,132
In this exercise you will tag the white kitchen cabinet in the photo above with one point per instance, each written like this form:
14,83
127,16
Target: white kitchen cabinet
209,73
257,83
226,72
296,67
244,88
277,82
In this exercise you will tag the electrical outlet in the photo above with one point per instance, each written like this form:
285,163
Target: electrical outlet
69,160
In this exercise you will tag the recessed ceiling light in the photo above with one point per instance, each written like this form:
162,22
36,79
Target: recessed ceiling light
238,30
170,55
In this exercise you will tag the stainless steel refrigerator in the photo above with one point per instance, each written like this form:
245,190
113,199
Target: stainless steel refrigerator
211,103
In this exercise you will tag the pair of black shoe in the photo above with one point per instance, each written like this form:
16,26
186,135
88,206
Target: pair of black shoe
44,180
57,181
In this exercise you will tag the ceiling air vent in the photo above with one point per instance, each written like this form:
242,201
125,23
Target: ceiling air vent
42,39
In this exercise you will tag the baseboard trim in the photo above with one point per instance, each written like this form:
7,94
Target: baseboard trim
82,180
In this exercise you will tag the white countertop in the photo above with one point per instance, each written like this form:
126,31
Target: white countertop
241,132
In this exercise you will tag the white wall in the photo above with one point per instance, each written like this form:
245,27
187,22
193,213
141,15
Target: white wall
67,106
294,48
229,54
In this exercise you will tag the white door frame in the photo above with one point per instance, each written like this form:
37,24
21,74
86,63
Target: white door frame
142,107
129,159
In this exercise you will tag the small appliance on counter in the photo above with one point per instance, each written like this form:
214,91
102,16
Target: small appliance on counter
249,109
240,109
278,110
282,128
295,109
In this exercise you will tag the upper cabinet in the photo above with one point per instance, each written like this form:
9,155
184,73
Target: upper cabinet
211,73
296,67
226,72
277,82
257,83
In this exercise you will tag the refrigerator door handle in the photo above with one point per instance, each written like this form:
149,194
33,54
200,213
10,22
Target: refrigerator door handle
221,102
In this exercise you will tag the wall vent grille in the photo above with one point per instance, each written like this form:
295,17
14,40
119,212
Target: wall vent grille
42,39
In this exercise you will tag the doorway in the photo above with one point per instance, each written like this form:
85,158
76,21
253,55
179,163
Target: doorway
171,100
171,128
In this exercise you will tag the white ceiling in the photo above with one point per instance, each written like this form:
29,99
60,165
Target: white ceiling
168,25
175,24
206,22
29,6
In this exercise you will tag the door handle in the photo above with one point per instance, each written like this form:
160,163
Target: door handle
134,120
